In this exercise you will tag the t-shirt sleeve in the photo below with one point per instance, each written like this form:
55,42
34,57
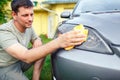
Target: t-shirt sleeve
7,39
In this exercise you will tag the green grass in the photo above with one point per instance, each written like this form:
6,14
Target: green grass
46,70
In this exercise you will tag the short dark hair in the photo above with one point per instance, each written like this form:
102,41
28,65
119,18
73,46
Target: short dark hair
16,4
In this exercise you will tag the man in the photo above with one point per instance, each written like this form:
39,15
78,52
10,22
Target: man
15,36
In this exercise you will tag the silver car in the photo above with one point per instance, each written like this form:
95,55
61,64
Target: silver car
98,58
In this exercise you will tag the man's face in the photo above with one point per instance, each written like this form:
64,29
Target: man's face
24,17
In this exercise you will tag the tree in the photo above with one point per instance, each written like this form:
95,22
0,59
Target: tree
3,11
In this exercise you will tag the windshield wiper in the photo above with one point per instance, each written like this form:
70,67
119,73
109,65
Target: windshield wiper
103,12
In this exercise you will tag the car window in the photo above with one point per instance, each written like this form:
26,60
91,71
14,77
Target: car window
84,6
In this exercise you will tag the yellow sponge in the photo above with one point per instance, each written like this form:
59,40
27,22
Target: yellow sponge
82,30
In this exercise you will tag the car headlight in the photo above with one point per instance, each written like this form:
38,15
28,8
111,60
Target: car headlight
95,42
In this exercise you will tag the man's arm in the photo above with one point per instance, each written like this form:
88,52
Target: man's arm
38,64
65,40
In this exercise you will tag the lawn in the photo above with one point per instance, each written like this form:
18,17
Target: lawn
46,70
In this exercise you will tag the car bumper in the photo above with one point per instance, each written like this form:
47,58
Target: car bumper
84,65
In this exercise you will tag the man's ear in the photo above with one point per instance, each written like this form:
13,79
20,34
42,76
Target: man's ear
14,15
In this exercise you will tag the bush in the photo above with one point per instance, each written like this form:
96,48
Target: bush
3,12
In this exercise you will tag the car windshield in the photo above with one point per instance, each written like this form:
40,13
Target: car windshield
84,6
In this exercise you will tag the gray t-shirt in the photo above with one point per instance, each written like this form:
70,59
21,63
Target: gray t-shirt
9,35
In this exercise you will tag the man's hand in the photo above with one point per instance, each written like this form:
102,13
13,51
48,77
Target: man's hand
37,43
71,38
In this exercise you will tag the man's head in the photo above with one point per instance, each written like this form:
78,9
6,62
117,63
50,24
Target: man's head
16,4
22,13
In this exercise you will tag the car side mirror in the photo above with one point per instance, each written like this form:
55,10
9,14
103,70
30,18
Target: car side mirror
65,14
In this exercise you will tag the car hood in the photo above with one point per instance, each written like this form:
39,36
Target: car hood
108,24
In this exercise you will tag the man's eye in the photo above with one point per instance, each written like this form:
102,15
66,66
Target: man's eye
24,15
31,14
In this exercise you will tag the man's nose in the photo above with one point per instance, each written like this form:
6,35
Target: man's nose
30,18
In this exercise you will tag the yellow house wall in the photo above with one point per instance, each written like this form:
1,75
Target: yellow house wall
59,8
41,17
40,22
